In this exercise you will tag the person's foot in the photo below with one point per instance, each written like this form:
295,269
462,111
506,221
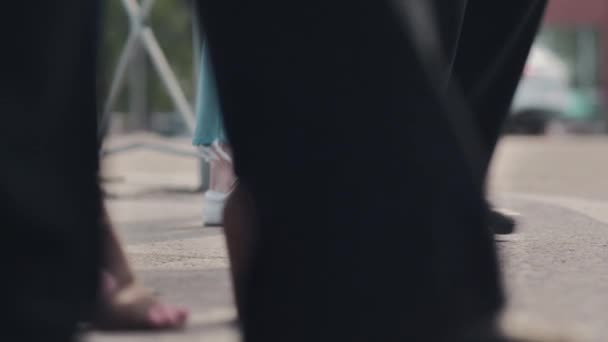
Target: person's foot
500,223
133,307
213,210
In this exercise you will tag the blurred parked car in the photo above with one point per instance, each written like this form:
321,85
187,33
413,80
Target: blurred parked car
544,94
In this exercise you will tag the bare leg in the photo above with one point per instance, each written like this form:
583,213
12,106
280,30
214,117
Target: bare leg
222,181
114,258
126,304
223,177
212,174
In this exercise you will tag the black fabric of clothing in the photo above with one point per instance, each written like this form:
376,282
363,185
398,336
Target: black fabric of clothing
371,226
49,195
493,47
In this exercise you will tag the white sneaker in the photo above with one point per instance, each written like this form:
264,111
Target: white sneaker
213,209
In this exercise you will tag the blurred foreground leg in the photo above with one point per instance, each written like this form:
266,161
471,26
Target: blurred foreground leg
49,196
373,229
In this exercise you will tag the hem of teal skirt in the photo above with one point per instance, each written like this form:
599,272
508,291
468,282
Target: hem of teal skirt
204,142
201,143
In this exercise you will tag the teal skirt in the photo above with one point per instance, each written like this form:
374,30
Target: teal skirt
209,122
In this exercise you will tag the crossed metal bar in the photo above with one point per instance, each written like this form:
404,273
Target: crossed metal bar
141,32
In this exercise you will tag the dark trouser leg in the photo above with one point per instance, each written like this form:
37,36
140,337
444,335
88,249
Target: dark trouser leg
49,196
494,45
373,228
450,18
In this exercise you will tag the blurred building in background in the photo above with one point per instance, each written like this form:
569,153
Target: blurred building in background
577,31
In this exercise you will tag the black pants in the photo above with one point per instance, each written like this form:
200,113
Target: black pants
49,197
487,45
373,228
492,50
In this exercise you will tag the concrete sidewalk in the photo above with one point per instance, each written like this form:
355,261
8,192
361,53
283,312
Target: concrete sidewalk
555,267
